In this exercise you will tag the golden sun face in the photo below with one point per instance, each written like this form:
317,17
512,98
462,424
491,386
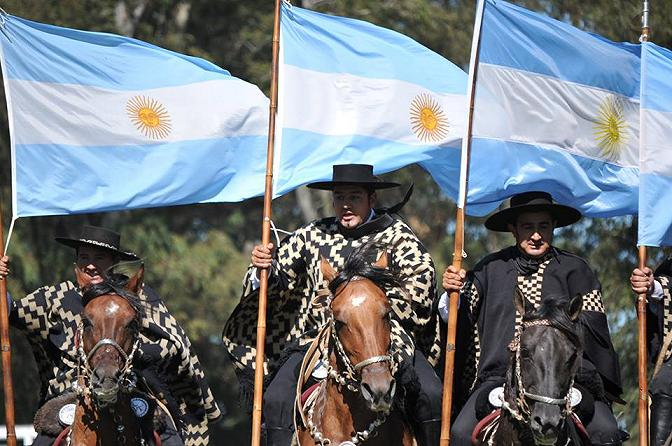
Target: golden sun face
611,128
428,121
149,116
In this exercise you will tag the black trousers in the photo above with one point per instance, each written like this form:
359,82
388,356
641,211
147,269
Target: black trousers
603,429
662,383
279,396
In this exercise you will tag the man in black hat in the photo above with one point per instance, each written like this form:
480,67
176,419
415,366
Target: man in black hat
540,271
50,317
657,286
296,277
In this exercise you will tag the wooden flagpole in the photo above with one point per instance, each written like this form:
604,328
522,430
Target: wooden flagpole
266,237
6,351
448,375
643,400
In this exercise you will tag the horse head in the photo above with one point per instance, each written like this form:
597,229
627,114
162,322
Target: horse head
546,358
361,315
108,334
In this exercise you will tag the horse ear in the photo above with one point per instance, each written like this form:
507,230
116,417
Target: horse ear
574,307
321,299
382,260
328,271
519,301
135,282
83,279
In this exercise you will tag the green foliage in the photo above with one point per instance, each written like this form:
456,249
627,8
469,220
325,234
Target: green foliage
196,255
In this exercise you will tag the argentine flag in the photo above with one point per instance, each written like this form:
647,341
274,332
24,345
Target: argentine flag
655,193
557,109
100,122
353,92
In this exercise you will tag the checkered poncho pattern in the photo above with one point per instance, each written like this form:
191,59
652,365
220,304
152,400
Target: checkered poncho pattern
50,316
297,279
667,312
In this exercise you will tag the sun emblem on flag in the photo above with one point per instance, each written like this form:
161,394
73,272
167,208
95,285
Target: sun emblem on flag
149,116
428,121
611,127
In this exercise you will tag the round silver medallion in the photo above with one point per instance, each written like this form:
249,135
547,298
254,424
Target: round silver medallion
575,396
496,396
139,406
67,414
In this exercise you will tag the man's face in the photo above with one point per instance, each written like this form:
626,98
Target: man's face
352,205
533,232
94,262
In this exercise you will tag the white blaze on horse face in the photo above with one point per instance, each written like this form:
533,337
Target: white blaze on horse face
357,301
111,309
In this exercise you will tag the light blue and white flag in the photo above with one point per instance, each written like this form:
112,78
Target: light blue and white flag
557,109
101,122
655,193
353,92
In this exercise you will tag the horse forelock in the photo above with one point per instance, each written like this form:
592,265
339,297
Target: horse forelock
553,311
114,285
359,263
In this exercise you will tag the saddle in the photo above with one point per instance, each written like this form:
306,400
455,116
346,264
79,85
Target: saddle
486,429
312,373
55,417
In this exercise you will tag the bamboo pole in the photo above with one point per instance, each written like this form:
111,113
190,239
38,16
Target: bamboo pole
449,366
266,237
6,351
643,402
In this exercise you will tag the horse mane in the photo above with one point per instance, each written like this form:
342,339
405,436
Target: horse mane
553,310
114,284
359,264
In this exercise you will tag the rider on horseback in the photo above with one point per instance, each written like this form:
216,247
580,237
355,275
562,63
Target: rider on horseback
540,271
659,333
295,280
50,318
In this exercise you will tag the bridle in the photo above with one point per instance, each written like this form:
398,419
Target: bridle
105,399
349,378
522,410
127,379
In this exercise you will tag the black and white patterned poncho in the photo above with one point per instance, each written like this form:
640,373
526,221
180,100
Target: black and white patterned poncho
659,314
50,317
296,278
492,319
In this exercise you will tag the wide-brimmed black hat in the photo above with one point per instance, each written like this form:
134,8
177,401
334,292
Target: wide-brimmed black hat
353,174
530,202
98,238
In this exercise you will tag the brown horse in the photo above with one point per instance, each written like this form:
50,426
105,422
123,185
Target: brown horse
355,403
107,341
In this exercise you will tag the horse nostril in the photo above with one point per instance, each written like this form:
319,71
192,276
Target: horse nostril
366,391
391,391
536,422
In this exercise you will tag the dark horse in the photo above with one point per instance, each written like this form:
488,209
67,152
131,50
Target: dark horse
355,403
107,412
545,356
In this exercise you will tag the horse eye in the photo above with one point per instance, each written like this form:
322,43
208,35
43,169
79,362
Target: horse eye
339,324
86,322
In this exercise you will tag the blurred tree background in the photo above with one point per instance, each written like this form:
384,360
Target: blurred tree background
196,255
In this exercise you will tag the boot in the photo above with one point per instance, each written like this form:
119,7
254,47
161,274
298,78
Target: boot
428,433
278,436
661,419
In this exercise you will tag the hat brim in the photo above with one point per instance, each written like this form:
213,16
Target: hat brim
76,243
563,215
330,185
